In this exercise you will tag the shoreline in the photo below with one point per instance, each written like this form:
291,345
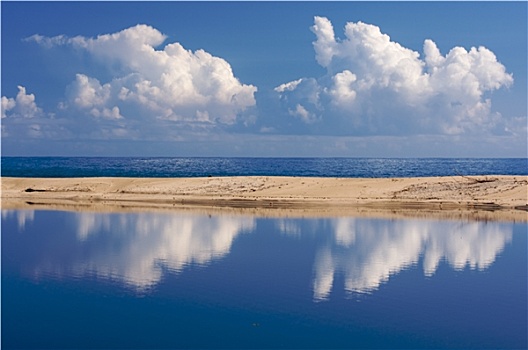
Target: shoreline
491,197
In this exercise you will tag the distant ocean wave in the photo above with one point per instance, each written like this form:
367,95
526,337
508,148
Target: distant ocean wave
196,167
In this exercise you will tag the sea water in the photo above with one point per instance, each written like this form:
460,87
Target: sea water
187,280
194,167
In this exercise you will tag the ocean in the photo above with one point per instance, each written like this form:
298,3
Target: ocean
315,167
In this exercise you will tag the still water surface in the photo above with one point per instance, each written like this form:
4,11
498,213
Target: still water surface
182,280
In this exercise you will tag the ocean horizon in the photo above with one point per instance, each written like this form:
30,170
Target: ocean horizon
58,167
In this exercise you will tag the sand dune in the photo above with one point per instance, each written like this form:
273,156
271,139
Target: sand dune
486,197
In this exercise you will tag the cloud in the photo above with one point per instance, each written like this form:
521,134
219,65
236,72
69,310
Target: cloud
326,43
48,42
89,95
303,114
301,99
378,87
171,83
22,106
22,118
7,105
140,84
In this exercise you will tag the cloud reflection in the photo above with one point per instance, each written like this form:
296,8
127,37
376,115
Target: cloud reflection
132,248
367,252
148,243
23,217
137,248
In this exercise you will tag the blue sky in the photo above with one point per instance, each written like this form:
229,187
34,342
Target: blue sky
357,79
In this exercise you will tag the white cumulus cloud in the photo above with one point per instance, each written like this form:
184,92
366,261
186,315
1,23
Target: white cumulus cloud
382,87
89,95
22,118
22,106
303,114
170,83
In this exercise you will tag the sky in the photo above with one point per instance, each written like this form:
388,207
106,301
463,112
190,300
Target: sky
289,79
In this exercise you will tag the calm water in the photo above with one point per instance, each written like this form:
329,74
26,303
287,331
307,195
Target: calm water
192,167
180,280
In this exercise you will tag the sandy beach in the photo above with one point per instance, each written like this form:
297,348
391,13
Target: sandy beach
472,197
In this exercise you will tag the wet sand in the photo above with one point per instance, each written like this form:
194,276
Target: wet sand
472,197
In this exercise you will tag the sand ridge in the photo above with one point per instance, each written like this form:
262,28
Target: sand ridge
502,195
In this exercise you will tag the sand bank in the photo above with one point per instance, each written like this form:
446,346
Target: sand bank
474,197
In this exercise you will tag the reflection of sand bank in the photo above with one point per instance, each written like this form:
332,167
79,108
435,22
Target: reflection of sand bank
135,248
368,252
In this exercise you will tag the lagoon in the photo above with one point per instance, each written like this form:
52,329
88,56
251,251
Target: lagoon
198,280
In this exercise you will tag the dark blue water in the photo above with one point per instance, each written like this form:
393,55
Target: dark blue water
182,280
194,167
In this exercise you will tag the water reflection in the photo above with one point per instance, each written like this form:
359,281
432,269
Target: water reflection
22,216
257,281
133,248
137,248
368,252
